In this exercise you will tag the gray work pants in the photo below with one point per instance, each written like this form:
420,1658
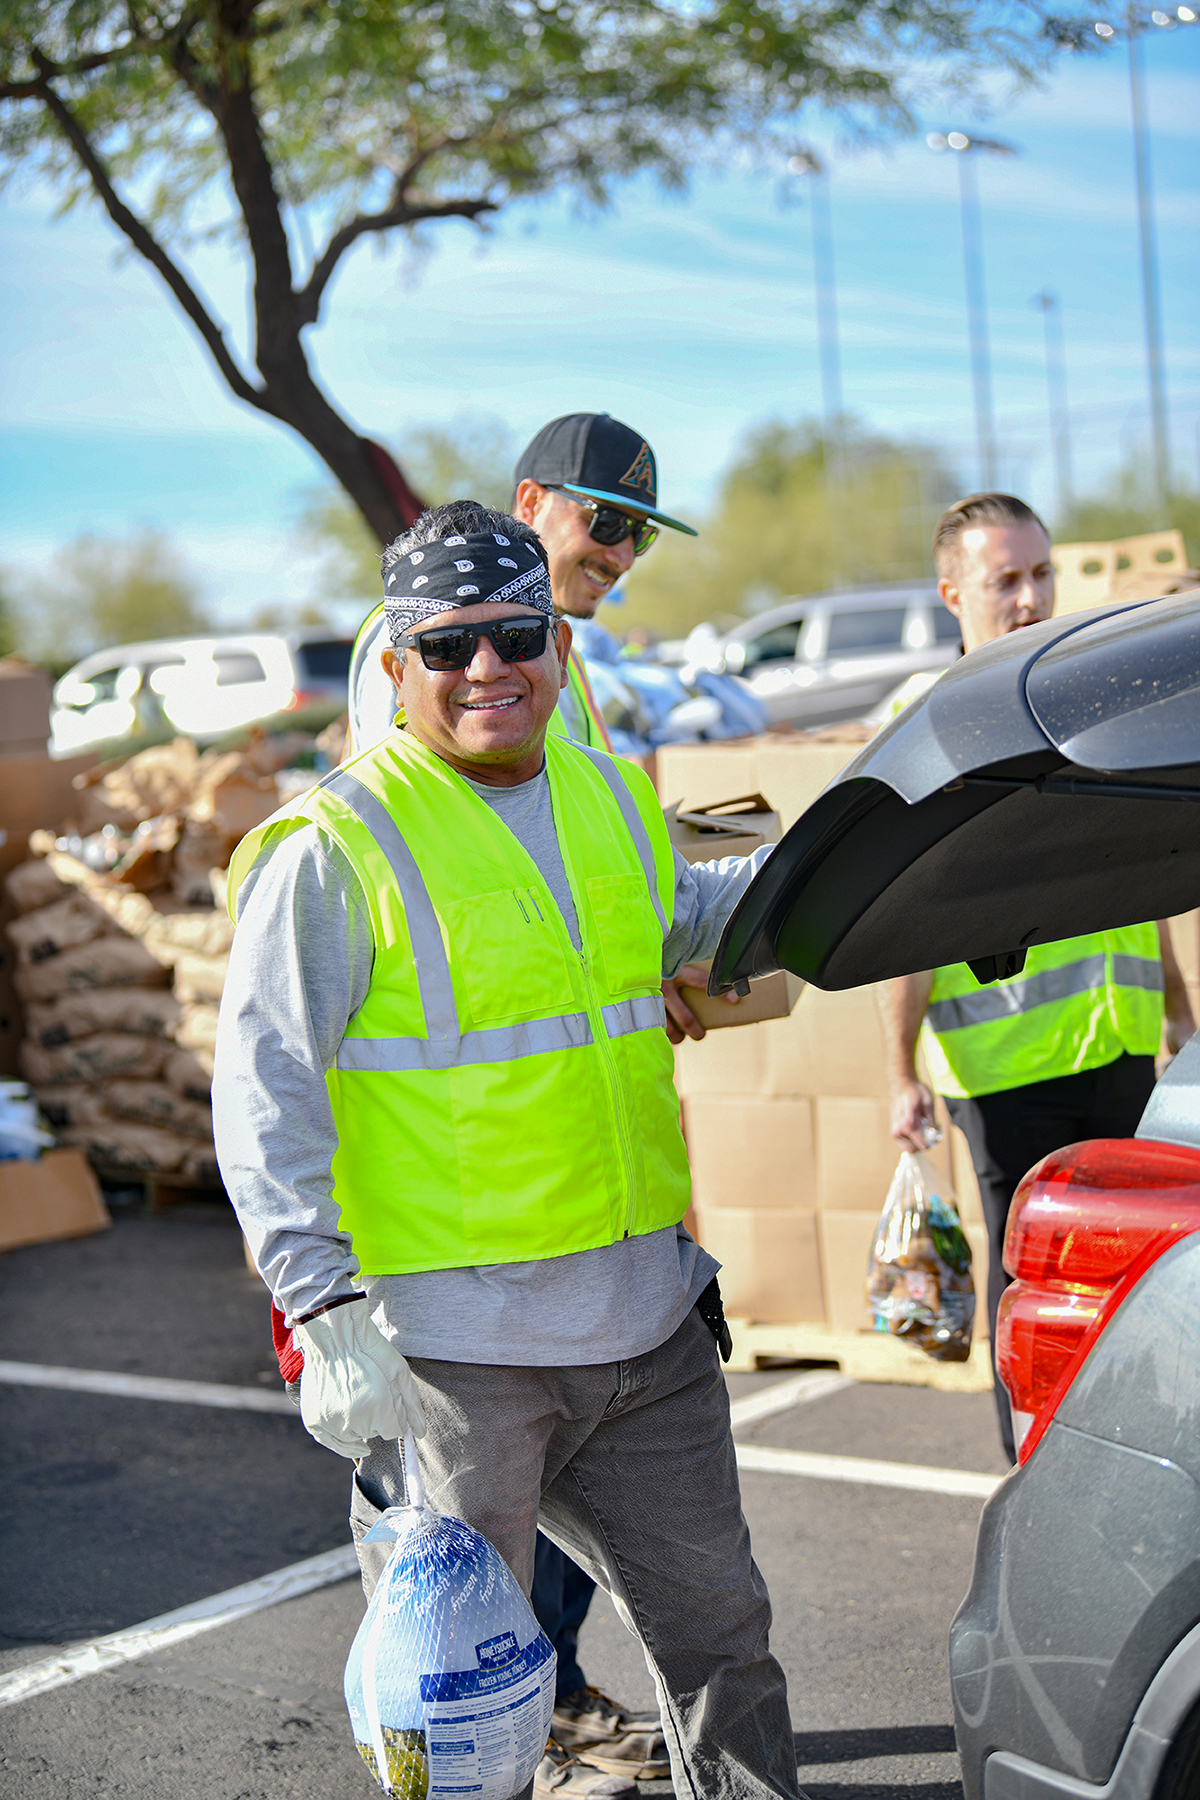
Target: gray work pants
629,1467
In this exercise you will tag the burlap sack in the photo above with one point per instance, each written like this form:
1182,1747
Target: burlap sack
94,1058
36,936
201,1165
149,1011
197,1027
33,884
138,1149
154,1103
107,962
71,1104
189,1073
200,978
199,933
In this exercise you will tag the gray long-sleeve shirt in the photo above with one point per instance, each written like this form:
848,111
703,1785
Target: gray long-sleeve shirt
299,971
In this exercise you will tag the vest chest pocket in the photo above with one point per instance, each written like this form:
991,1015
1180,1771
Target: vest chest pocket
508,953
627,933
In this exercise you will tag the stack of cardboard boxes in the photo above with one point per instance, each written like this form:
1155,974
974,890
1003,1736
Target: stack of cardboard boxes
787,1119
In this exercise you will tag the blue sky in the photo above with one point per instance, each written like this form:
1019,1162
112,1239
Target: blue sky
691,317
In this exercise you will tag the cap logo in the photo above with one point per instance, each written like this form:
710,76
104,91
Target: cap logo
641,472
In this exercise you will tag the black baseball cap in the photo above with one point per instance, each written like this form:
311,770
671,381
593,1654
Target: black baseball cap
596,456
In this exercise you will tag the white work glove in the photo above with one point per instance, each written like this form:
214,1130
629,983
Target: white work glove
355,1385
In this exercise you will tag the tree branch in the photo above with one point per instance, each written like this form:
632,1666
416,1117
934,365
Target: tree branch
309,297
80,65
146,244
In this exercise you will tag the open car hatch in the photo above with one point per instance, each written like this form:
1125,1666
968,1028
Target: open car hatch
1046,786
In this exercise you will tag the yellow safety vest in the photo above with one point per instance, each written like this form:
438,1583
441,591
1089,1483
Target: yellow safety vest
585,727
1077,1004
499,1096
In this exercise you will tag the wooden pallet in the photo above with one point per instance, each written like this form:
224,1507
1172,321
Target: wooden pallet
863,1355
159,1187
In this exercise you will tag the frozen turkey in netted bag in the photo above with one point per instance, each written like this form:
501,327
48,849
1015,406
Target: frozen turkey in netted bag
450,1679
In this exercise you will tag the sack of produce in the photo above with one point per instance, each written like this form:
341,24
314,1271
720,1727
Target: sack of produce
450,1679
137,1149
200,978
147,1010
919,1284
72,1103
33,884
189,1073
49,930
154,1103
106,962
92,1058
197,1027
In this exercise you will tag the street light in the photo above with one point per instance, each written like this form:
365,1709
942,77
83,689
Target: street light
1056,394
981,371
804,161
1132,30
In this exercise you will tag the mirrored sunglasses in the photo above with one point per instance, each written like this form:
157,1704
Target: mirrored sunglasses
609,525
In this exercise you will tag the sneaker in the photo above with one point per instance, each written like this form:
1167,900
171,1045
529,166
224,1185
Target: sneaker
561,1776
610,1737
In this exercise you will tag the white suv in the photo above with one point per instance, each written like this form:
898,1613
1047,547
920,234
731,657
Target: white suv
202,687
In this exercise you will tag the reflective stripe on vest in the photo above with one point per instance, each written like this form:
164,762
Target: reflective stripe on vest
598,737
445,1046
1091,1000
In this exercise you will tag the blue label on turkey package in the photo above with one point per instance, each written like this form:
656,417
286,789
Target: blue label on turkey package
495,1652
460,1684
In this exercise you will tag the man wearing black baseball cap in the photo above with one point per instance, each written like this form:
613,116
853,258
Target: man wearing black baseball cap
589,487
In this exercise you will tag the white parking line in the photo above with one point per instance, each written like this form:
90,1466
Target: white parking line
781,1396
98,1654
915,1476
148,1387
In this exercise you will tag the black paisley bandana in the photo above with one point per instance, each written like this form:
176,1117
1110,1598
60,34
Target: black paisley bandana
464,571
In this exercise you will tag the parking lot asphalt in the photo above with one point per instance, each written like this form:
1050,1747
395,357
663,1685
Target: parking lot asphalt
116,1510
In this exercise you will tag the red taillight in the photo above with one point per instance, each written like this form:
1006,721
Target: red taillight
1085,1225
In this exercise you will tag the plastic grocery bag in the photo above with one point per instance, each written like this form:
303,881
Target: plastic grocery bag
450,1679
919,1284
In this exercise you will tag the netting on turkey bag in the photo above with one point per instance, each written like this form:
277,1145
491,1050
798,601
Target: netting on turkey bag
450,1679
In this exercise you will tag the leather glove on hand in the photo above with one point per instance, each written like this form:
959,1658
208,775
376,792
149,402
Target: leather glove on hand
355,1385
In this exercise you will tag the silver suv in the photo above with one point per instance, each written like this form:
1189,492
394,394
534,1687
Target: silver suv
824,657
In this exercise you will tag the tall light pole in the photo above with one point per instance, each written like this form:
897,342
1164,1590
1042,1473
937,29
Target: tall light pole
972,237
804,161
1160,430
1056,394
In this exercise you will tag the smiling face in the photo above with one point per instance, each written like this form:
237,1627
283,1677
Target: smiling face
1002,578
488,720
582,571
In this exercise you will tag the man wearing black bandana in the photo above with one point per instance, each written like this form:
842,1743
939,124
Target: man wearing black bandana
445,1115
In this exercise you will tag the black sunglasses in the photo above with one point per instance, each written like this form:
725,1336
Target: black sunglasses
609,525
453,646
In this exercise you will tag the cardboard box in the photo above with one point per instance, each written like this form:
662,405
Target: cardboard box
831,1044
725,1062
845,1240
56,1197
793,770
36,791
770,1263
978,1238
962,1176
24,706
857,1155
748,1153
1185,940
1092,574
722,828
770,997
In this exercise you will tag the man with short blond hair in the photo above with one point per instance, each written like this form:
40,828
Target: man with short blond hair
1064,1050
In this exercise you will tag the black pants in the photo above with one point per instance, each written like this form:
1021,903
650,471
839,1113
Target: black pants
1008,1132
